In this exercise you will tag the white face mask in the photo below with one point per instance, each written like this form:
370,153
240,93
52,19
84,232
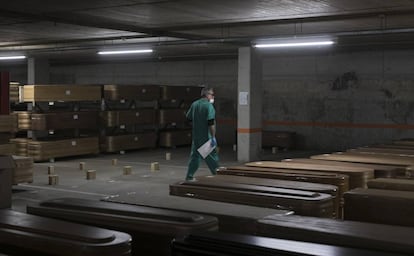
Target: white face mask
211,100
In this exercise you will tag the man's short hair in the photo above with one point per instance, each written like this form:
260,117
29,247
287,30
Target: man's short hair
205,91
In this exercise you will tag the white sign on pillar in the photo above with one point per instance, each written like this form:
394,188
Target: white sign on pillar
243,98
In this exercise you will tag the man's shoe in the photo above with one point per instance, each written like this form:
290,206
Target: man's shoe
191,179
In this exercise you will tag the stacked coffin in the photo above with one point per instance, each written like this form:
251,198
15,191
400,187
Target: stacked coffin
14,92
174,102
45,150
125,123
8,126
23,172
68,131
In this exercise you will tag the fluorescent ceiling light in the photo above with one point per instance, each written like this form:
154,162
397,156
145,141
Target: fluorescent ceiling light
12,57
295,44
125,52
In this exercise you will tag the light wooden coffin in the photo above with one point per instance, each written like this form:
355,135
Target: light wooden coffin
45,150
24,170
33,93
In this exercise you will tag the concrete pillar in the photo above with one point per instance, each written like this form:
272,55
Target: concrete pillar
37,71
249,110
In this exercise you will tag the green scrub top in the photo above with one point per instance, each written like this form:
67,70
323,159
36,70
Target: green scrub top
199,113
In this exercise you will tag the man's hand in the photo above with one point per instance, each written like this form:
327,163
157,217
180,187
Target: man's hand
213,142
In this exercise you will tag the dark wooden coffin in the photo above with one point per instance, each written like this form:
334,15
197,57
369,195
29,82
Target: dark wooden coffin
129,141
135,92
216,244
64,120
301,202
393,239
171,116
392,184
380,206
279,139
176,137
180,92
277,183
25,234
151,228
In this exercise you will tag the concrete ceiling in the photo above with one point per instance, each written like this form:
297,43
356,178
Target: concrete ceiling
76,30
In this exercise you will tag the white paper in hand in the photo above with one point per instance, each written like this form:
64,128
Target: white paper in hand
206,149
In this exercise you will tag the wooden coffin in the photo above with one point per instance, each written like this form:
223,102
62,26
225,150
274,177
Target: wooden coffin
279,139
393,239
151,228
133,92
23,173
172,138
339,180
32,93
5,138
65,120
25,234
24,120
380,170
384,151
214,243
7,149
8,123
7,166
45,150
366,158
406,142
127,117
301,202
118,143
14,92
20,145
171,117
380,206
277,183
358,176
180,92
392,184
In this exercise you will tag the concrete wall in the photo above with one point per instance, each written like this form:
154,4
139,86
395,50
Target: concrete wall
342,100
333,101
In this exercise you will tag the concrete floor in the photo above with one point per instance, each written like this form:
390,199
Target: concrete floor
143,186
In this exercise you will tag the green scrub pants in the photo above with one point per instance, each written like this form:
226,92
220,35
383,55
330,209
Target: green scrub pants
194,162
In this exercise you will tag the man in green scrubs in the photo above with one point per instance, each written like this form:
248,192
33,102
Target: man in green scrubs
202,115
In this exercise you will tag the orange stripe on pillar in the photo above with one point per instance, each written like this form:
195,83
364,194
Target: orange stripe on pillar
249,130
